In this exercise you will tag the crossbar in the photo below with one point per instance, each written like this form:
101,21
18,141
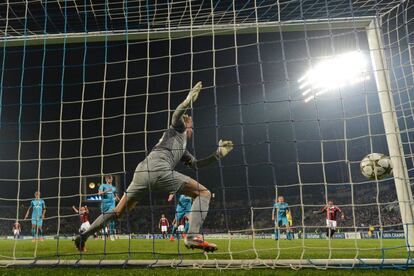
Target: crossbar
188,31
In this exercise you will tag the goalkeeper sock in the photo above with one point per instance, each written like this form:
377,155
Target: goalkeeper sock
199,211
174,229
34,233
112,227
40,233
99,222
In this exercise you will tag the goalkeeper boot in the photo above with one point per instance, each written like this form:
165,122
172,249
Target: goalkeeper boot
80,244
198,242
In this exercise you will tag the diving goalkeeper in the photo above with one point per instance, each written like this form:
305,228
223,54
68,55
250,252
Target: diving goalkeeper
156,172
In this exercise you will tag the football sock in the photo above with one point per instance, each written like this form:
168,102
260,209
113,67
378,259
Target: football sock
33,232
186,226
174,230
276,234
199,211
112,227
40,232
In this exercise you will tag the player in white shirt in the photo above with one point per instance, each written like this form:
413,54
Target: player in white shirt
17,229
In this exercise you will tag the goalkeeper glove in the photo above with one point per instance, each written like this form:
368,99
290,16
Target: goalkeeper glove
193,94
224,148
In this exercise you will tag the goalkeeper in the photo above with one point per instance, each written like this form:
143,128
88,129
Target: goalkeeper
156,173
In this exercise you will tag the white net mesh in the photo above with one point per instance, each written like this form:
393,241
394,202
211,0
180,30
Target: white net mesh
88,87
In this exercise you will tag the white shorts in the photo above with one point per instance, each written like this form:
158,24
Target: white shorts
84,226
16,232
181,228
331,224
164,228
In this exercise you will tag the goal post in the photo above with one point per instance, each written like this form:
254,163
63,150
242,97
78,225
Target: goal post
395,147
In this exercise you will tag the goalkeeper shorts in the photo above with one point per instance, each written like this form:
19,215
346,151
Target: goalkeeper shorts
155,173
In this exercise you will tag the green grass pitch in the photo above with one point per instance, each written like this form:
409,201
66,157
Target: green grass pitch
166,249
238,249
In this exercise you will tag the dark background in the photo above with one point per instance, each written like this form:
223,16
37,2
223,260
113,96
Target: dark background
74,110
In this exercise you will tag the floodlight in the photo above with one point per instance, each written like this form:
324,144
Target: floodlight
334,73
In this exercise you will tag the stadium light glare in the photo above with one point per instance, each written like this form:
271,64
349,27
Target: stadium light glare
334,73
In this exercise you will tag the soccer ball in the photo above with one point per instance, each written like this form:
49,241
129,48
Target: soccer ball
376,166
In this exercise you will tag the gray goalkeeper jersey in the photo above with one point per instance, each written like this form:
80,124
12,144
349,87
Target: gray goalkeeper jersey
172,148
172,145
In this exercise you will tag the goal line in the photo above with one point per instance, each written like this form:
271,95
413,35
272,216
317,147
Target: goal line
219,263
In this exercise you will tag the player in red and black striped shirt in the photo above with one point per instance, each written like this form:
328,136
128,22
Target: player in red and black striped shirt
84,217
331,213
163,225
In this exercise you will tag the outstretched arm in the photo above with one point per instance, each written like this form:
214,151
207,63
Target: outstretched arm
74,209
117,197
182,107
223,149
27,213
189,160
342,213
320,211
102,191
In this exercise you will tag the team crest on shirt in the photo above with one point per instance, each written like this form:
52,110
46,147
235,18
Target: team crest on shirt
37,204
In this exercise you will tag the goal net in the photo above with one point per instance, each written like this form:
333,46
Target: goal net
88,87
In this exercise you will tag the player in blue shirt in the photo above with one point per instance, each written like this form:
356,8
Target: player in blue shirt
182,210
282,221
38,208
109,195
